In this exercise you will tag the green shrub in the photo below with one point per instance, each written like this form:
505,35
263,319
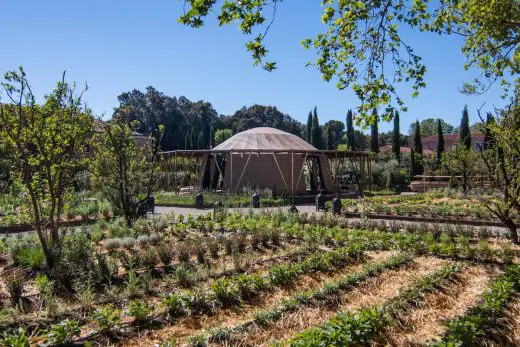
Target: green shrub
173,303
63,333
16,338
225,290
29,255
165,254
139,309
106,318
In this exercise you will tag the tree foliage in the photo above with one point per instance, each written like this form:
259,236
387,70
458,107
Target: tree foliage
440,141
462,165
465,132
429,127
122,171
362,41
316,133
396,138
503,165
222,135
374,135
351,139
47,144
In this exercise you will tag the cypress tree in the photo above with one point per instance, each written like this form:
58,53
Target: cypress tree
330,138
309,127
396,138
374,137
417,148
440,141
351,140
316,140
488,139
412,163
465,134
417,141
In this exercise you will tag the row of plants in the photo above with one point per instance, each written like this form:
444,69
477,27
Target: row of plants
305,298
359,328
228,201
472,328
423,205
222,291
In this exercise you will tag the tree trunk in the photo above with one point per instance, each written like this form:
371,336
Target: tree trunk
512,229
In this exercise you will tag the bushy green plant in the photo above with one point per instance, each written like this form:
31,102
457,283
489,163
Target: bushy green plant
46,289
29,255
16,338
183,275
165,254
139,309
106,319
113,244
174,305
225,290
63,333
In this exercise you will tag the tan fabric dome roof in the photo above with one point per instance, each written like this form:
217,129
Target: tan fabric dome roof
265,139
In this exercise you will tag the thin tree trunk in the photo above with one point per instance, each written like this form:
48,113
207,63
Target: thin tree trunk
513,230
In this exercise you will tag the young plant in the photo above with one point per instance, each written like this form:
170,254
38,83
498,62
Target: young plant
173,303
63,333
106,318
139,309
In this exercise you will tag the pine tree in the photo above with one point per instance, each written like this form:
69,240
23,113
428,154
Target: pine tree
440,141
488,140
396,138
465,134
374,137
351,140
309,127
316,140
417,140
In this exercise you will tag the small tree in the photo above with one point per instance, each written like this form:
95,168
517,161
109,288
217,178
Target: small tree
412,164
503,166
462,164
396,139
465,133
222,135
47,143
490,123
440,141
351,139
122,171
329,138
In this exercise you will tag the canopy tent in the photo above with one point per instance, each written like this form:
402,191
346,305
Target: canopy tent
270,158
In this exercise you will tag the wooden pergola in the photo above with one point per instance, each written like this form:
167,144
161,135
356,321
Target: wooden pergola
336,163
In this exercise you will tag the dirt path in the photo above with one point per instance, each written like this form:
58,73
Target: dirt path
425,323
232,316
374,292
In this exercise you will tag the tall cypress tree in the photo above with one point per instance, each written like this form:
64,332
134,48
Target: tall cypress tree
488,139
412,163
417,140
465,134
330,138
309,127
396,138
440,141
351,140
374,137
316,140
417,148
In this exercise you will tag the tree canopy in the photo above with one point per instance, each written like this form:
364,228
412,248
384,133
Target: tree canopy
362,41
429,127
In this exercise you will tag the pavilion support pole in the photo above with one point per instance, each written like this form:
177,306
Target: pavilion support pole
242,174
292,175
231,172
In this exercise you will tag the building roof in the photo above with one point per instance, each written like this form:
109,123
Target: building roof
453,137
264,138
388,148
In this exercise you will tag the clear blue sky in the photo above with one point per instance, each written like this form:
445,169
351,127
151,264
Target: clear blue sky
120,45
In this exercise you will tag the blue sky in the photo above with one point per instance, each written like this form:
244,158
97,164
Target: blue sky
119,45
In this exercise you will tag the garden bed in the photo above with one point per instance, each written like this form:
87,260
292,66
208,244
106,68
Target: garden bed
246,279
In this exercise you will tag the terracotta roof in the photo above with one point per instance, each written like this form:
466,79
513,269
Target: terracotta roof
388,148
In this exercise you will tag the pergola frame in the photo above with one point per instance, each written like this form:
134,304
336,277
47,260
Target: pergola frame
336,159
